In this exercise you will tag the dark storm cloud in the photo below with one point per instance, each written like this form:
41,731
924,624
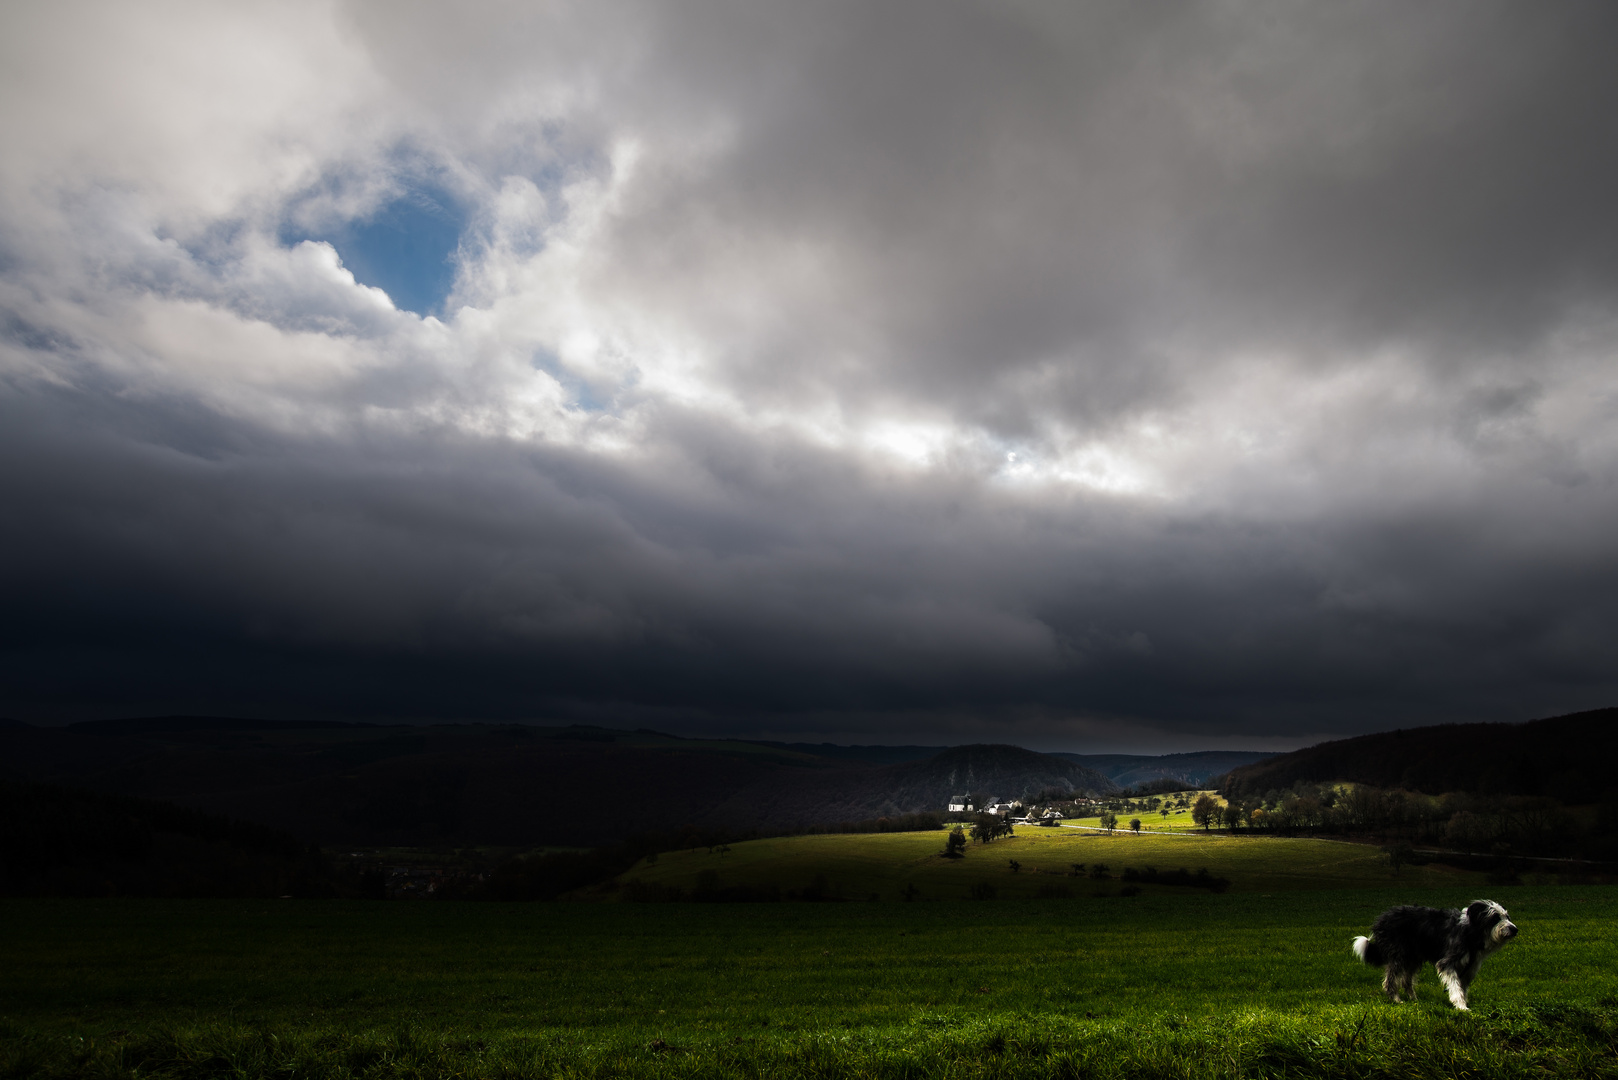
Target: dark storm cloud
456,580
1141,375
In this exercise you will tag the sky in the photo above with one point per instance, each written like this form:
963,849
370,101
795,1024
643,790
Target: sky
1093,377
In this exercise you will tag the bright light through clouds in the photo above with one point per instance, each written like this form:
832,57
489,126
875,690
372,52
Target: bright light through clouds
1179,376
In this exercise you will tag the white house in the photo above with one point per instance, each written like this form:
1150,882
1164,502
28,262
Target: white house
960,803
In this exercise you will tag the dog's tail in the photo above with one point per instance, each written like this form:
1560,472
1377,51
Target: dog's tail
1367,951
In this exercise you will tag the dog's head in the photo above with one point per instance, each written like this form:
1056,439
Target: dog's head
1489,921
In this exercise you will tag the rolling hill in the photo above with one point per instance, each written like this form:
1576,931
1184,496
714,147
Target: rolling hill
1571,756
1129,770
359,784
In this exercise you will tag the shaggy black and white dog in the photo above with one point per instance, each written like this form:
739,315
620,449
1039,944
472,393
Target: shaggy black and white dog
1454,941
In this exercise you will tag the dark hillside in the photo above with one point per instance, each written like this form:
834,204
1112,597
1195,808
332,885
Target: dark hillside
506,784
1132,770
1009,772
64,842
407,785
148,725
508,788
1571,757
862,755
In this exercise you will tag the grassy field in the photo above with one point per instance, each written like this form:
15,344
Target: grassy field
1177,820
860,865
1170,983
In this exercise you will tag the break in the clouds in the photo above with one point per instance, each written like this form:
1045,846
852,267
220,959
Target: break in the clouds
1076,375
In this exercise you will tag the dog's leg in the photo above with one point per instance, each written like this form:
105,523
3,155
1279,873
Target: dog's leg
1390,983
1455,982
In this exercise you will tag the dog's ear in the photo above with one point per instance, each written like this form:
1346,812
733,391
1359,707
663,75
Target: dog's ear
1476,912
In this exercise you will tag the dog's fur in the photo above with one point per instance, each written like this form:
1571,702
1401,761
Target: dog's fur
1454,941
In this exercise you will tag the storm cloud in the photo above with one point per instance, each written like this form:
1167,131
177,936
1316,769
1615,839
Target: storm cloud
1084,376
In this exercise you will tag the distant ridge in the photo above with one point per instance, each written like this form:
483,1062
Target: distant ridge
866,755
1130,770
1568,756
1009,772
144,725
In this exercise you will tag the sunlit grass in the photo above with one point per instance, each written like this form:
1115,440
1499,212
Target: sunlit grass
858,865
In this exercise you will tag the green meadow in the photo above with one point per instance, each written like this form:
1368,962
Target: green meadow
1170,982
1177,820
859,866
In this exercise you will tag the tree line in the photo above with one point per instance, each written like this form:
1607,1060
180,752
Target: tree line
1461,821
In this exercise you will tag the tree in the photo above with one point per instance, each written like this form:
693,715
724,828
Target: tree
1396,856
1016,867
990,827
1109,820
955,844
1134,826
1203,812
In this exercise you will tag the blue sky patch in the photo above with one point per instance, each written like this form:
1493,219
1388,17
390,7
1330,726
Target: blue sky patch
406,248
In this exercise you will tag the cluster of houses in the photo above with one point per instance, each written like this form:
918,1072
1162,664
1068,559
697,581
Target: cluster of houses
418,882
963,804
414,882
959,804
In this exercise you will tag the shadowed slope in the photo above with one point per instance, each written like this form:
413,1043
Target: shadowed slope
504,784
1570,756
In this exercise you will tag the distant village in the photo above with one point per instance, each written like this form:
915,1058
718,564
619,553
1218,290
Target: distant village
1015,811
1050,809
424,882
963,804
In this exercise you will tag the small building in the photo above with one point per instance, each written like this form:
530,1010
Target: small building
960,804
